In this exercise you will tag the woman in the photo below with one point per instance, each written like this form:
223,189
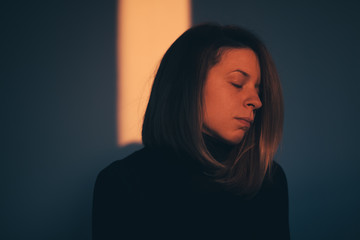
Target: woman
211,128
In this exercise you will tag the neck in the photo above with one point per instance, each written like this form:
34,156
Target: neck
218,148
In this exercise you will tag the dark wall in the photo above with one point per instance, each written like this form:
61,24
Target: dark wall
58,100
315,45
57,92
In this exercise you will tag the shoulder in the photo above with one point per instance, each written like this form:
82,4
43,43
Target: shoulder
271,205
124,164
118,193
275,183
138,160
138,169
277,174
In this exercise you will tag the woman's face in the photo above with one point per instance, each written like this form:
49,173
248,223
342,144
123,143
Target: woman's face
231,94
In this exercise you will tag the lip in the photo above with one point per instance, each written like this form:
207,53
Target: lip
246,122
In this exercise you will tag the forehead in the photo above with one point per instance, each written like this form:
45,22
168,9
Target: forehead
234,56
233,59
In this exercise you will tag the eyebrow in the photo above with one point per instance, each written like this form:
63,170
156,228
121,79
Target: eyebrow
243,72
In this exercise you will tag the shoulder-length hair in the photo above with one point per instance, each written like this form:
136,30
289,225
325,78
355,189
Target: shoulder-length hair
174,115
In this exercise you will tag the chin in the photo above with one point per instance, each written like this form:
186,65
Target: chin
234,140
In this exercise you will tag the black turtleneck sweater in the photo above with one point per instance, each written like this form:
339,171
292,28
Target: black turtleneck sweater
154,193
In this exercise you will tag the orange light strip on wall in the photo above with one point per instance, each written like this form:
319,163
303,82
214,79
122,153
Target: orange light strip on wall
146,28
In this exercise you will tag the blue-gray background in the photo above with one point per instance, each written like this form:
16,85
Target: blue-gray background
58,95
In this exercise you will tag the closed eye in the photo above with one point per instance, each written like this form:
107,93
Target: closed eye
236,85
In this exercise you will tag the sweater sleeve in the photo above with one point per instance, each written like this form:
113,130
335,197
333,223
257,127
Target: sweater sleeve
113,206
280,203
273,206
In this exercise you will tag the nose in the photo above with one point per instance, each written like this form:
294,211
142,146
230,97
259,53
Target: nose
253,101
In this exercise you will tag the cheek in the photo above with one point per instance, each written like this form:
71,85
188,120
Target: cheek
218,108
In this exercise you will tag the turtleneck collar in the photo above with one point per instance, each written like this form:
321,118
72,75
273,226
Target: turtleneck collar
218,148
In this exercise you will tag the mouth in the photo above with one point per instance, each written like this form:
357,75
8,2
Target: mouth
245,122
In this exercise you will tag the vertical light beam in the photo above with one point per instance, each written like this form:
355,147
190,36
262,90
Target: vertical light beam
145,30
